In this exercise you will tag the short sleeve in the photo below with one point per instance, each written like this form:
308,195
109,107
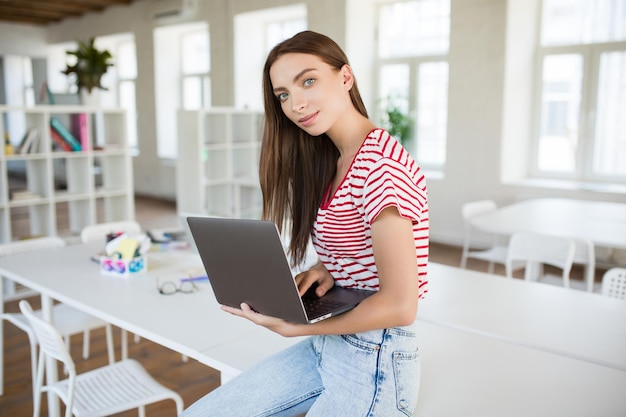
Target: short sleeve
391,184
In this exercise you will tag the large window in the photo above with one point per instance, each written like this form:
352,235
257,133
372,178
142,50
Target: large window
126,78
195,68
120,80
413,48
182,78
581,99
256,33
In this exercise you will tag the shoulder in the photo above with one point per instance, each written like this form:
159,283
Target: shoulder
380,142
380,149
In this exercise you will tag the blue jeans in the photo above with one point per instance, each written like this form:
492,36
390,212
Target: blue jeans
370,374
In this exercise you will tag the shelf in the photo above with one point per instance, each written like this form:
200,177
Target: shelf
217,168
99,173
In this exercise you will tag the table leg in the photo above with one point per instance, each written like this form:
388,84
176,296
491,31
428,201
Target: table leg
533,272
51,364
590,276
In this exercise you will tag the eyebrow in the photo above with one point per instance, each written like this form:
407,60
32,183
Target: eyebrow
298,75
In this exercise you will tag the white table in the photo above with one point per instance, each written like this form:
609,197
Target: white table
466,374
577,324
603,223
469,374
186,323
192,324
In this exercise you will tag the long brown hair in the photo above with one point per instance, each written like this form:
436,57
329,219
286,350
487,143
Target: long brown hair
296,168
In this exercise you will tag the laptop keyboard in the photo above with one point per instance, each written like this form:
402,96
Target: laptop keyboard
316,307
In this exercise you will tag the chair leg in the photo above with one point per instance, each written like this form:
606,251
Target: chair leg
33,360
142,411
110,345
38,383
66,339
179,405
464,256
9,288
124,344
85,344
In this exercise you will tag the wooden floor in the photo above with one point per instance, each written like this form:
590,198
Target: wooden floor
190,379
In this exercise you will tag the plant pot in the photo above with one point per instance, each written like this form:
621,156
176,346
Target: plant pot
90,99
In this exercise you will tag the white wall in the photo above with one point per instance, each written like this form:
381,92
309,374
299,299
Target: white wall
490,108
487,54
22,40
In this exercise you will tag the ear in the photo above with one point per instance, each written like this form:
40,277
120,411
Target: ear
348,77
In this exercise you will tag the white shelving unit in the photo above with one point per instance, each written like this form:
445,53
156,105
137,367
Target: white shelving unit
95,184
218,161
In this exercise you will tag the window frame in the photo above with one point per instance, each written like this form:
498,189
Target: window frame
413,62
591,54
204,77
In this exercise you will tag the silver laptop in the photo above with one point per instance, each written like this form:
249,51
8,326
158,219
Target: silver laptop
246,262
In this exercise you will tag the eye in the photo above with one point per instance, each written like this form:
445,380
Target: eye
309,81
282,97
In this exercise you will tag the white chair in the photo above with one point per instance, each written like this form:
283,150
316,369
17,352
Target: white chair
98,232
493,254
614,283
68,320
111,389
585,254
537,250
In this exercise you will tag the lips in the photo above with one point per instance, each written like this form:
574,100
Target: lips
308,120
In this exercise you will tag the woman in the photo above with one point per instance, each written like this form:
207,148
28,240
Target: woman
329,174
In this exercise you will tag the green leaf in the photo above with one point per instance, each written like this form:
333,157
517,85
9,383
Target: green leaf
91,65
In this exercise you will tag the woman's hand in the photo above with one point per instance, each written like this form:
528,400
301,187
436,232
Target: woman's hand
316,275
280,326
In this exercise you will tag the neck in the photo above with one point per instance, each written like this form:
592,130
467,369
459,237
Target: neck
349,133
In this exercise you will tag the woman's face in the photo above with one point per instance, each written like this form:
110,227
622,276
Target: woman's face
312,94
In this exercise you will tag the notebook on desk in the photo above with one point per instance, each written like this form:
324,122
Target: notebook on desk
246,262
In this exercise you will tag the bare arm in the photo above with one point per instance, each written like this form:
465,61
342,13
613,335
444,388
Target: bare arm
395,304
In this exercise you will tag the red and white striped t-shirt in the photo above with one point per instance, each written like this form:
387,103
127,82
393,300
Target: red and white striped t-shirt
382,174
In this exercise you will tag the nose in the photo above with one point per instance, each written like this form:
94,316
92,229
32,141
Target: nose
298,102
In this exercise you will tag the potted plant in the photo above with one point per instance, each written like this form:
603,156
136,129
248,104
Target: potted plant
397,122
91,64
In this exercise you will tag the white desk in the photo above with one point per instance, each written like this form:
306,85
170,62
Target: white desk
193,324
469,374
473,375
578,324
186,323
603,223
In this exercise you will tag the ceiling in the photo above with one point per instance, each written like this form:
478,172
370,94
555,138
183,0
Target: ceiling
43,12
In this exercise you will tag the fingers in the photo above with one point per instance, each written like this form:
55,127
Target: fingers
279,326
324,286
304,281
316,276
232,310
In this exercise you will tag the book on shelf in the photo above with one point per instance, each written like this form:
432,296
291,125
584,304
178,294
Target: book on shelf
65,134
79,129
22,195
20,146
30,142
58,141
